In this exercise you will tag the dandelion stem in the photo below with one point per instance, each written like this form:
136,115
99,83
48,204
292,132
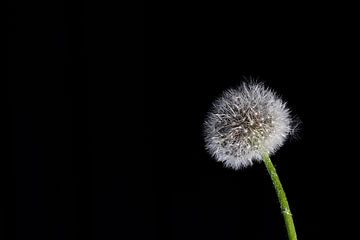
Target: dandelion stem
284,205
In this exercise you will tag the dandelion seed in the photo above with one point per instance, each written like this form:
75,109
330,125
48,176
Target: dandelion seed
265,123
254,109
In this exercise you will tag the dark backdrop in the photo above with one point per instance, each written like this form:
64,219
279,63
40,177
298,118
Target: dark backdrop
106,145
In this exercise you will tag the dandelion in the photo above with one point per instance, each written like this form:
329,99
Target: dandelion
248,124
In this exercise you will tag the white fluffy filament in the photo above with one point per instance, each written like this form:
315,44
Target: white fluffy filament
244,122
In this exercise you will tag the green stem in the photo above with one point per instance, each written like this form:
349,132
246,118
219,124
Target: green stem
284,205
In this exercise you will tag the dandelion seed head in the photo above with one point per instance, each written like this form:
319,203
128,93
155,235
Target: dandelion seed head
244,123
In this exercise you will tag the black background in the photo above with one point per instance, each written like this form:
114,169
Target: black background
107,140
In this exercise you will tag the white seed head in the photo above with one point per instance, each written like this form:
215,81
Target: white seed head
244,123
